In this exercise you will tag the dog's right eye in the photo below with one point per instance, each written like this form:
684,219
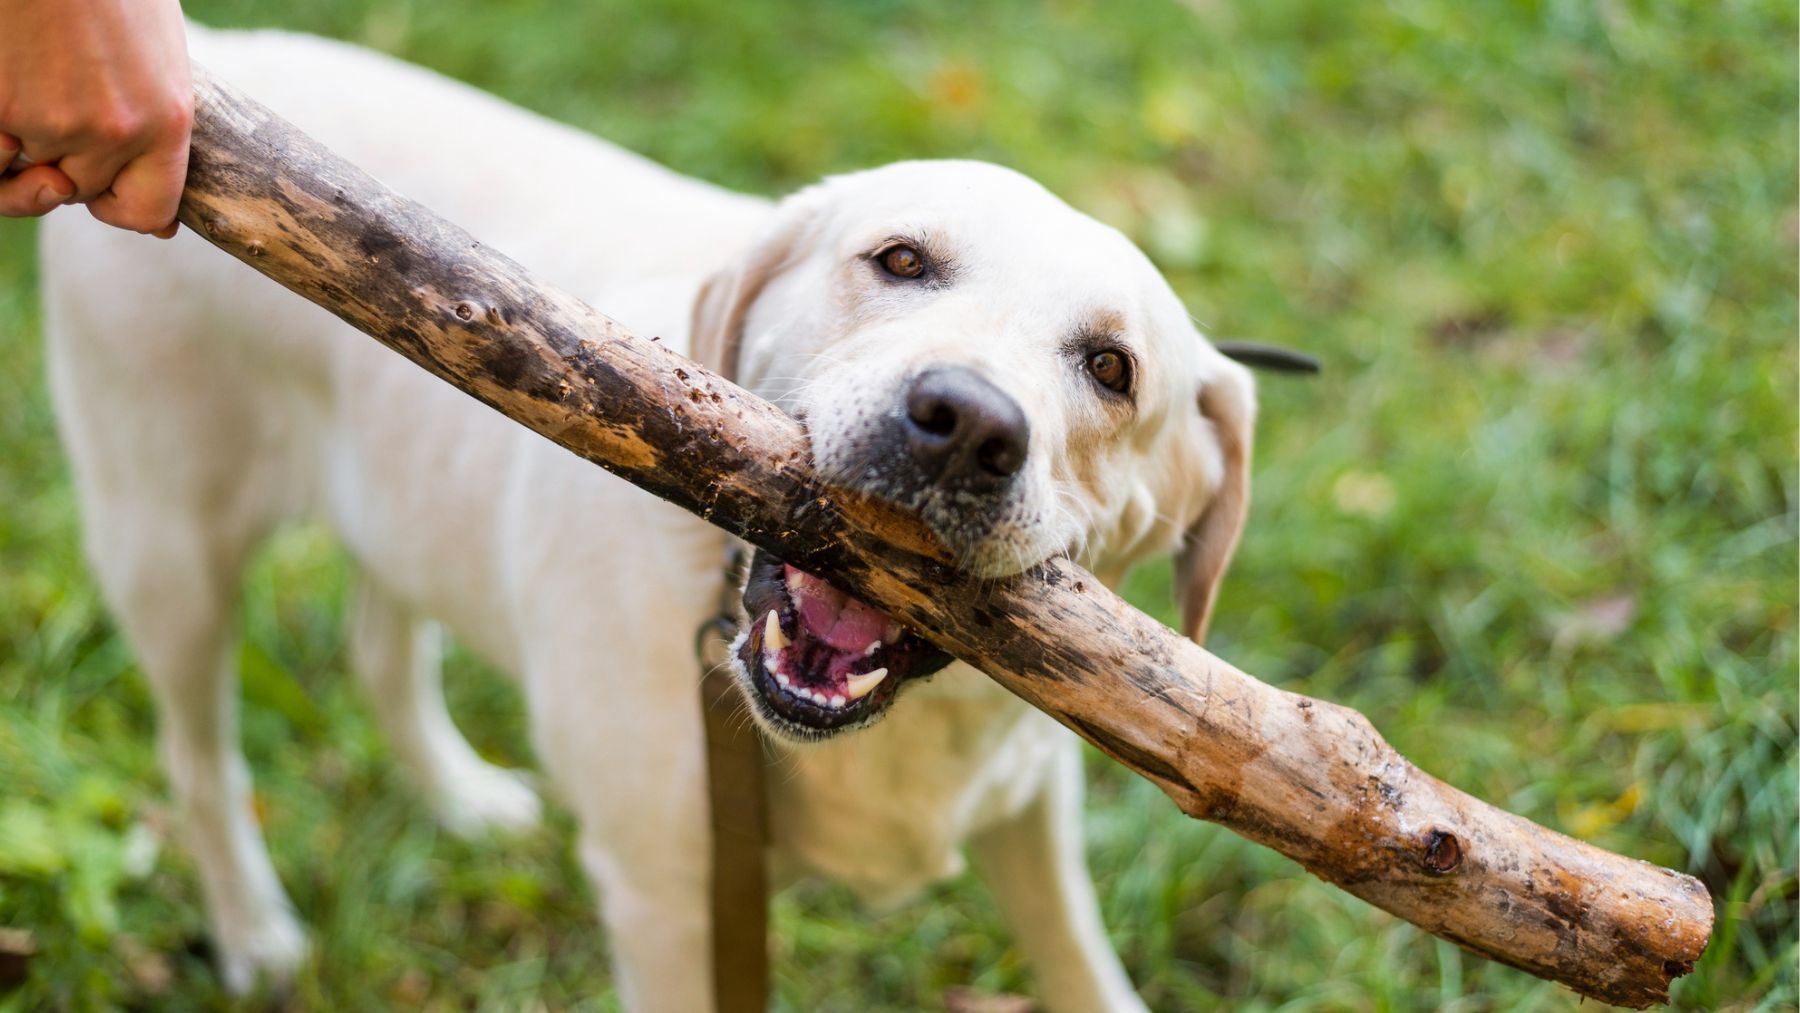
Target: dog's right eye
1110,369
901,261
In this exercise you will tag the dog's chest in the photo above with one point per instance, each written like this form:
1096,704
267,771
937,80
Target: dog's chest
887,810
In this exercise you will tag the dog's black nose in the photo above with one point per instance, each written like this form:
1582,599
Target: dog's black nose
964,431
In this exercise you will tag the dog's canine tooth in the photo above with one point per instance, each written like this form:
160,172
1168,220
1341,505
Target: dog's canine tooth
862,685
873,647
773,638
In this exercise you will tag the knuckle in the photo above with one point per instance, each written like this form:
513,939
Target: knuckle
60,124
171,118
119,127
180,109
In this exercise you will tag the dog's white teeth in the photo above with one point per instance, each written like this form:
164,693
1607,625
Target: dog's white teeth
837,702
782,680
773,638
864,684
872,648
816,697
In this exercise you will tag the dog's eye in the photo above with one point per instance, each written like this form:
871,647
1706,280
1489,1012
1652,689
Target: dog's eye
902,261
1110,369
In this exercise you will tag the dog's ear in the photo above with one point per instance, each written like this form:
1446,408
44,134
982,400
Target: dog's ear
1228,404
725,298
718,324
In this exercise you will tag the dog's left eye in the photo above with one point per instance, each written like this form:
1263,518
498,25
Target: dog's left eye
1110,369
902,261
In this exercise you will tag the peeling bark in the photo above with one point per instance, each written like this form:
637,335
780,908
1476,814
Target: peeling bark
1310,779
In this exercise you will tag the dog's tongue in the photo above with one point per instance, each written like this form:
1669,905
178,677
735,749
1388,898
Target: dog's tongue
833,616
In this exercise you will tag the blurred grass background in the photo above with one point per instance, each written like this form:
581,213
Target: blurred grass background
1537,520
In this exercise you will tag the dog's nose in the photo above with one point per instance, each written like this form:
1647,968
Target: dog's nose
964,431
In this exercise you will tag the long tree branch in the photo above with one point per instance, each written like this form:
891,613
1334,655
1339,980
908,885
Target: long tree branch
1310,779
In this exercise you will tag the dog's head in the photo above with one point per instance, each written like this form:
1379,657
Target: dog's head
959,341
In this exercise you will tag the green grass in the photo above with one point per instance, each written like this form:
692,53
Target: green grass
1537,520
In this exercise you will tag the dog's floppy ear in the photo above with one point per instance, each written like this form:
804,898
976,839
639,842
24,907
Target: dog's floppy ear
1228,403
726,297
718,325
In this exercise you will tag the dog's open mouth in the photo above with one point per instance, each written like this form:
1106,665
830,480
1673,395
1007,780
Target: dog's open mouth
818,661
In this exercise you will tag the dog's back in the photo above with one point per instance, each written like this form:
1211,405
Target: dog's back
179,371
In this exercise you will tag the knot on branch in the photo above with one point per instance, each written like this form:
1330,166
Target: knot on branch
1443,853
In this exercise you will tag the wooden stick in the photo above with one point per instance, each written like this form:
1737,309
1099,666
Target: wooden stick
1310,779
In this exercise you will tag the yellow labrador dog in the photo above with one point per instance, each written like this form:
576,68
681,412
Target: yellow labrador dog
954,337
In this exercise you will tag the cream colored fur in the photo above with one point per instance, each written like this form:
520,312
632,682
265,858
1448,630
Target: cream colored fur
202,407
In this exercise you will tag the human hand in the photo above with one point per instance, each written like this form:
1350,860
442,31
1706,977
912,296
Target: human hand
96,106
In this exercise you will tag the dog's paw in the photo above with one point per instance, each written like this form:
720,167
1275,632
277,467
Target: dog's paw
488,799
269,953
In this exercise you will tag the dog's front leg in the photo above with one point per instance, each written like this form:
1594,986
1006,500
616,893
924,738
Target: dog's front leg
657,925
626,753
1033,862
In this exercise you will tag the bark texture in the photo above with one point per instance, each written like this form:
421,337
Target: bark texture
1308,778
